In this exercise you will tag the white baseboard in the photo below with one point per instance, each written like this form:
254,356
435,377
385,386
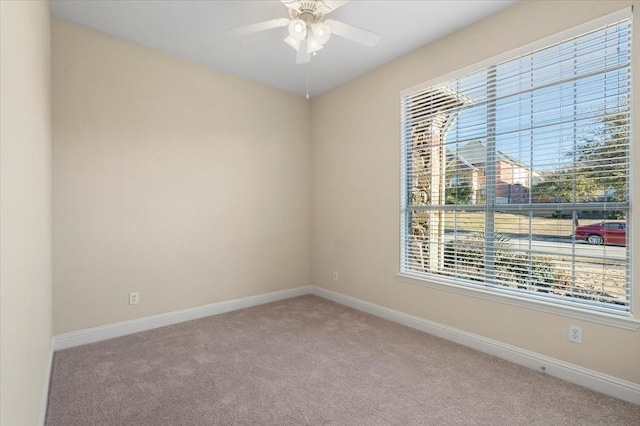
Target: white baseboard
91,335
45,392
609,385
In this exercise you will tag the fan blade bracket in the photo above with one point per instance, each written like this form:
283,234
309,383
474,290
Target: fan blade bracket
291,4
327,6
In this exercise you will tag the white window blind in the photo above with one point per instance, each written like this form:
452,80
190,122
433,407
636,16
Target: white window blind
504,169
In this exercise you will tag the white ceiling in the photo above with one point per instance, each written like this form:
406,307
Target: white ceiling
197,31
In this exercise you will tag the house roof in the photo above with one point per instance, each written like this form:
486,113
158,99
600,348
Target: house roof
475,152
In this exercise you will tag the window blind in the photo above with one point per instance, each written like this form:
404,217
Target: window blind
516,177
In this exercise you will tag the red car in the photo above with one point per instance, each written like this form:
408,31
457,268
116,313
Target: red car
605,232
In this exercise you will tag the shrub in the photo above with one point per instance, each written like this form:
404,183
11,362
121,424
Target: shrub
520,270
526,271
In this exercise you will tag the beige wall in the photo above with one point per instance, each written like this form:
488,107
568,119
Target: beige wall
186,184
356,184
192,186
25,209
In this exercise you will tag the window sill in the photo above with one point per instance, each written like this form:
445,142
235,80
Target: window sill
538,305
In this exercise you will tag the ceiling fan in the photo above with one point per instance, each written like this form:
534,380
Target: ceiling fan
308,31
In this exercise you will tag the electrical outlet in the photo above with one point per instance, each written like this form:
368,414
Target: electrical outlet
134,298
335,276
575,334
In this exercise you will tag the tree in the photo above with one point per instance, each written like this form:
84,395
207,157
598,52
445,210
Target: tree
599,168
459,193
603,156
564,185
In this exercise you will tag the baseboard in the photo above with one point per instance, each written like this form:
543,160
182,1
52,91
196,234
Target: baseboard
45,392
590,379
608,385
82,337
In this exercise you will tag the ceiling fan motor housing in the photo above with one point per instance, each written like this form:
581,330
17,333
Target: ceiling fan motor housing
308,11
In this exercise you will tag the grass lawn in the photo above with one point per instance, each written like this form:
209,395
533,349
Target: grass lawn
508,223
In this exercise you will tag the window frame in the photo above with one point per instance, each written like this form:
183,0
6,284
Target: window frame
624,320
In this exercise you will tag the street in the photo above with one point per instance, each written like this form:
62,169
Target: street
565,247
560,246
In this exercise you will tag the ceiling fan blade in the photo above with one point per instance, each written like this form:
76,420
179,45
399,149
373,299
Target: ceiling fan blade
359,35
302,56
260,26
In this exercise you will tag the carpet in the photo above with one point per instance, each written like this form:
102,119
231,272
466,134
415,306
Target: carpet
308,361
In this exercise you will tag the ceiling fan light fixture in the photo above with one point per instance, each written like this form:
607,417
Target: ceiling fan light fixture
322,31
292,42
313,44
298,29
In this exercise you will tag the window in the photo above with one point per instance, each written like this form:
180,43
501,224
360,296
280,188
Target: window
509,172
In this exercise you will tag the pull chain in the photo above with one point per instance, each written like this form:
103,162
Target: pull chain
308,79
